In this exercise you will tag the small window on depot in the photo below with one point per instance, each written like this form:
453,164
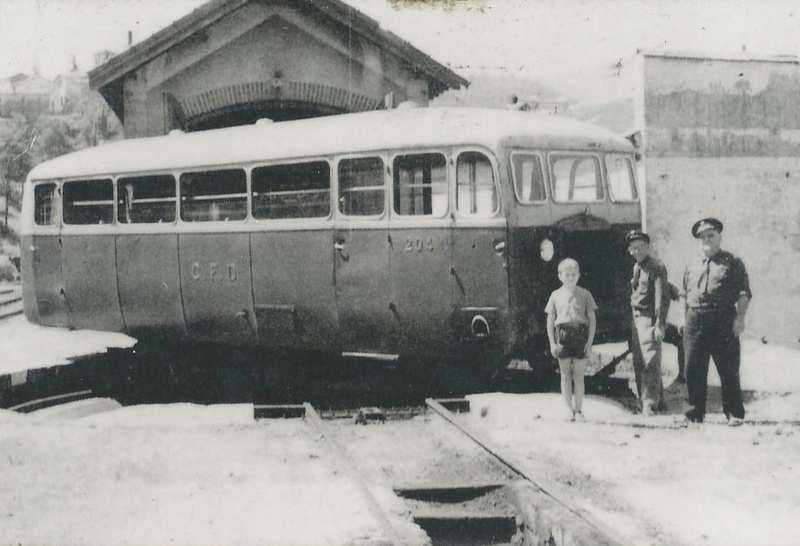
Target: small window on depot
294,190
214,196
89,201
146,199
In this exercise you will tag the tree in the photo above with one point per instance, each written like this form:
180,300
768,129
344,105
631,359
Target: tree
16,160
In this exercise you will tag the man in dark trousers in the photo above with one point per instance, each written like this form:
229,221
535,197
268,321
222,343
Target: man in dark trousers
649,305
715,295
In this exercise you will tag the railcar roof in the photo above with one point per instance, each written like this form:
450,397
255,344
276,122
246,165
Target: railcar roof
347,133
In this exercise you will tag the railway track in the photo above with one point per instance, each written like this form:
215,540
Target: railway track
10,301
448,485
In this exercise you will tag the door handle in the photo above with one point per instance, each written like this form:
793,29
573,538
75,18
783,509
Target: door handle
339,245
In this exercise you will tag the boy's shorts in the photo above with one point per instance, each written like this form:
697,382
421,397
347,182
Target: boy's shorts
572,337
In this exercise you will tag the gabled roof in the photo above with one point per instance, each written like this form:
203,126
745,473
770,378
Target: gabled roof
109,73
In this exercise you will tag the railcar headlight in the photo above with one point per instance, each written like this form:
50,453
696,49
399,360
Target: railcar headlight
547,250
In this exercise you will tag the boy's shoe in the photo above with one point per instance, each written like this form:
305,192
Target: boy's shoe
735,422
693,417
579,417
571,416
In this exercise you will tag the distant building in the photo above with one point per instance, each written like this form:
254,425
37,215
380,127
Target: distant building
21,92
68,89
102,57
231,62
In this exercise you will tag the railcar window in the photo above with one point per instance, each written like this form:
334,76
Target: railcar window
361,186
298,190
529,182
621,180
146,199
476,193
89,201
214,196
576,178
45,211
420,185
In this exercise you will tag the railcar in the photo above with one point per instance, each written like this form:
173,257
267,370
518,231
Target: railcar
419,233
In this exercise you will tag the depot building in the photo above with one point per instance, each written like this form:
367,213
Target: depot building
231,62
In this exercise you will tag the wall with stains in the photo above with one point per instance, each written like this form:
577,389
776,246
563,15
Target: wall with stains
722,138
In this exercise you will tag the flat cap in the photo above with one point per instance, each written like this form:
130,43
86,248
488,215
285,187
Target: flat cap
705,224
637,235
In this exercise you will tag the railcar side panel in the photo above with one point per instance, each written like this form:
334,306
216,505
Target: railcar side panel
90,282
422,297
293,289
480,281
42,283
216,287
149,285
363,291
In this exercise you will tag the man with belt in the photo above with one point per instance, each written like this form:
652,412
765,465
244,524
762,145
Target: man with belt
715,295
649,305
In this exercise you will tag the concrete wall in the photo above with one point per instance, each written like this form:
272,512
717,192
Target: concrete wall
722,138
253,51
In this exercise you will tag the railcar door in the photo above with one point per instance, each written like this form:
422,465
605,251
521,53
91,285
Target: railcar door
41,260
215,257
88,255
421,252
479,270
147,257
367,324
292,256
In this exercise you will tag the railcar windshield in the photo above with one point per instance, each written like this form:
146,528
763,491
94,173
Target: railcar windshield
576,178
529,180
621,178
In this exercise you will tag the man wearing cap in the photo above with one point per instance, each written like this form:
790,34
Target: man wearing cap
715,294
649,305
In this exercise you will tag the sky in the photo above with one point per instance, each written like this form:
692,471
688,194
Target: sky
572,45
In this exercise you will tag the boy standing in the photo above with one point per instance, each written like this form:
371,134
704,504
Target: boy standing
650,297
571,326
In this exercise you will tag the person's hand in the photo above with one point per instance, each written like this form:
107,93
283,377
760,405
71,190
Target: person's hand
738,326
658,334
587,349
681,327
555,349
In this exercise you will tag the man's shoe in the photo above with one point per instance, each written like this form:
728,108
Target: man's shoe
579,417
735,422
693,416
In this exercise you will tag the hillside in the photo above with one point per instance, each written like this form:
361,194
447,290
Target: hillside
491,88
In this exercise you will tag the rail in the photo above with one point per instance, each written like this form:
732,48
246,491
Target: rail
10,301
591,530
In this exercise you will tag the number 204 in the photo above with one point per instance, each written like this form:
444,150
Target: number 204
418,244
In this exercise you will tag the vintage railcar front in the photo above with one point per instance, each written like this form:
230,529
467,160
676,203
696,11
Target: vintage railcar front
574,197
